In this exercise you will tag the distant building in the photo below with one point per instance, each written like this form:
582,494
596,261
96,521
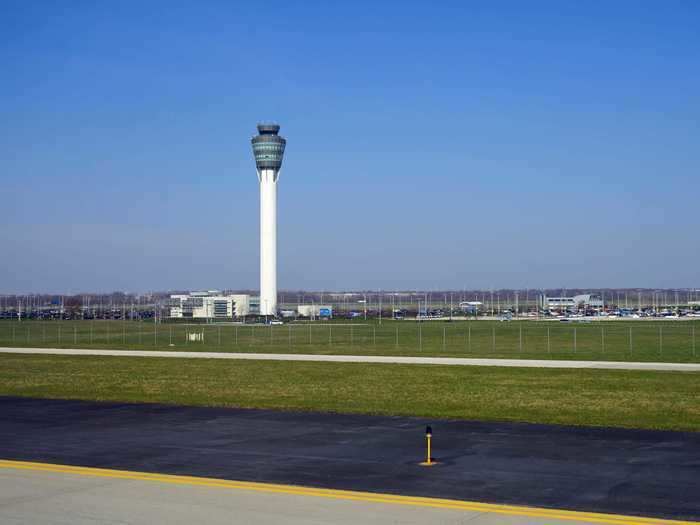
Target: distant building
470,307
575,302
209,305
315,310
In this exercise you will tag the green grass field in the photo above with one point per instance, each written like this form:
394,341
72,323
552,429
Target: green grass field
668,341
615,398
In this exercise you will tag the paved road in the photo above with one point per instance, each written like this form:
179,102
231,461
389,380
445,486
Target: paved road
44,494
454,361
630,472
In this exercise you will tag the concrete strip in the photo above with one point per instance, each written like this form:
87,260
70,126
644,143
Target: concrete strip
450,361
32,492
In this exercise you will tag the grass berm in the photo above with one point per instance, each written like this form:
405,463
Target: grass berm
613,398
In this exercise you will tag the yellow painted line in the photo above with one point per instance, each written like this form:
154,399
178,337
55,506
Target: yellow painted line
473,506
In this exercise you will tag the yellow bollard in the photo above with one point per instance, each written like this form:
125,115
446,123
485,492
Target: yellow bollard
428,460
428,436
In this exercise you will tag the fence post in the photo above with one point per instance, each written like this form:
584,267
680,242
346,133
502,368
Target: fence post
75,335
91,324
289,335
43,333
397,336
630,340
493,338
661,339
602,338
444,336
374,336
420,336
59,334
520,342
549,345
170,336
352,341
235,336
693,336
574,339
330,335
469,336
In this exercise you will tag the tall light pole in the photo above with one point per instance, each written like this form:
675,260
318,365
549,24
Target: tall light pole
268,149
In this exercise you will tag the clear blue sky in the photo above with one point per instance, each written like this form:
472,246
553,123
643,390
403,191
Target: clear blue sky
430,144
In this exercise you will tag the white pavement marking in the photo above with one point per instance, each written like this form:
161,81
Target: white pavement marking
451,361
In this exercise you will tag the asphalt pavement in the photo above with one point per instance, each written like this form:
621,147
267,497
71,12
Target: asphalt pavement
631,472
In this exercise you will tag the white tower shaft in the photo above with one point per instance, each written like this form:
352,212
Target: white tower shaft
268,241
268,150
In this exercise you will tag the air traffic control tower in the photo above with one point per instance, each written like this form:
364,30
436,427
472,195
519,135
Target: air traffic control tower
268,149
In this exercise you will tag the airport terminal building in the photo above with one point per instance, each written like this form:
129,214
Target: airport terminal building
210,305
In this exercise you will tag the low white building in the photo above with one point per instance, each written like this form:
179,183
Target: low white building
577,301
315,310
209,305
